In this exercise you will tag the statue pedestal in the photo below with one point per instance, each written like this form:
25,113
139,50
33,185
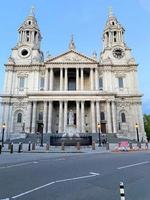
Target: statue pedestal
70,131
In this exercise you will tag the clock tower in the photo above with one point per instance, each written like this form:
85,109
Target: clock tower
114,46
27,50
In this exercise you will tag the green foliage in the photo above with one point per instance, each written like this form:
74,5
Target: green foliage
147,125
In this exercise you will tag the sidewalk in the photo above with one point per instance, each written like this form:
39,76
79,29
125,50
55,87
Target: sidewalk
55,149
73,149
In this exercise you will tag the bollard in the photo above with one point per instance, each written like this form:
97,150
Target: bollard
93,145
78,145
130,145
47,147
29,146
0,148
11,148
146,145
33,146
19,147
122,194
62,146
139,145
107,145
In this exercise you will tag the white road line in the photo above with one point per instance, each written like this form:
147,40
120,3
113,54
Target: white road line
18,165
136,164
30,191
58,181
93,173
77,178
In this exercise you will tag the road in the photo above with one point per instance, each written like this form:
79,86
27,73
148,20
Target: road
74,176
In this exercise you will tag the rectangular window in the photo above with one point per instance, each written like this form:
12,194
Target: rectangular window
21,83
120,82
42,83
101,83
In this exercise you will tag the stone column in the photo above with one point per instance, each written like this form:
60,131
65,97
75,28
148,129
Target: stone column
34,117
51,79
28,118
114,117
78,116
77,78
82,117
46,80
50,117
109,125
45,117
12,123
96,79
65,114
93,116
92,79
60,116
66,79
61,79
98,119
82,79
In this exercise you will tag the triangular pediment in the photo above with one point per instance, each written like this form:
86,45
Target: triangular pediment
71,57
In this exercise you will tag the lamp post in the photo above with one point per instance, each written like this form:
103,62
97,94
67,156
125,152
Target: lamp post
42,135
3,131
99,133
137,131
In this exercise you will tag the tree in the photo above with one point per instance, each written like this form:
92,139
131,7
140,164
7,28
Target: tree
147,125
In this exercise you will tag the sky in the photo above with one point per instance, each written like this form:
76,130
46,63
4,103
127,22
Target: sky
85,19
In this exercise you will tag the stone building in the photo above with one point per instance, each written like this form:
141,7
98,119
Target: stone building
40,94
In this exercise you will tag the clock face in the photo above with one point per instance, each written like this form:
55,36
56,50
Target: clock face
118,53
24,52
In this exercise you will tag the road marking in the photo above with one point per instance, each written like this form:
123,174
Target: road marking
30,191
93,173
136,164
54,182
18,165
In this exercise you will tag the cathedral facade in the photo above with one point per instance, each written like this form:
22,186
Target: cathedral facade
41,93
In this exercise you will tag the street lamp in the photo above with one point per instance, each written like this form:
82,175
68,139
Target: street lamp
42,135
3,130
137,131
99,132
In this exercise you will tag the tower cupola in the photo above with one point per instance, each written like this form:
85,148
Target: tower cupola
113,33
29,32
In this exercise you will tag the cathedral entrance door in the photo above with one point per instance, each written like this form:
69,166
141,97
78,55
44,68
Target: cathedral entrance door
40,128
103,127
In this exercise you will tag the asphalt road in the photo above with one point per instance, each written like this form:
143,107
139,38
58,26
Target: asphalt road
74,176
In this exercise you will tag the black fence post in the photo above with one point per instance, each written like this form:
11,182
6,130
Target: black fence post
29,146
11,148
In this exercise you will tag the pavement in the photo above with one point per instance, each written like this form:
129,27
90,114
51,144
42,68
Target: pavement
55,149
36,148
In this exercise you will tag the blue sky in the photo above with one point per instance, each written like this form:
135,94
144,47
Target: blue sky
86,19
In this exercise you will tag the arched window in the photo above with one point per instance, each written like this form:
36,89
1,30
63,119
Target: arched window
102,116
19,118
123,117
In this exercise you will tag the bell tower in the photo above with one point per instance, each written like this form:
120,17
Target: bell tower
115,50
113,33
27,50
29,32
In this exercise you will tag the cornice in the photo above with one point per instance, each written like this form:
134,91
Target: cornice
113,65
